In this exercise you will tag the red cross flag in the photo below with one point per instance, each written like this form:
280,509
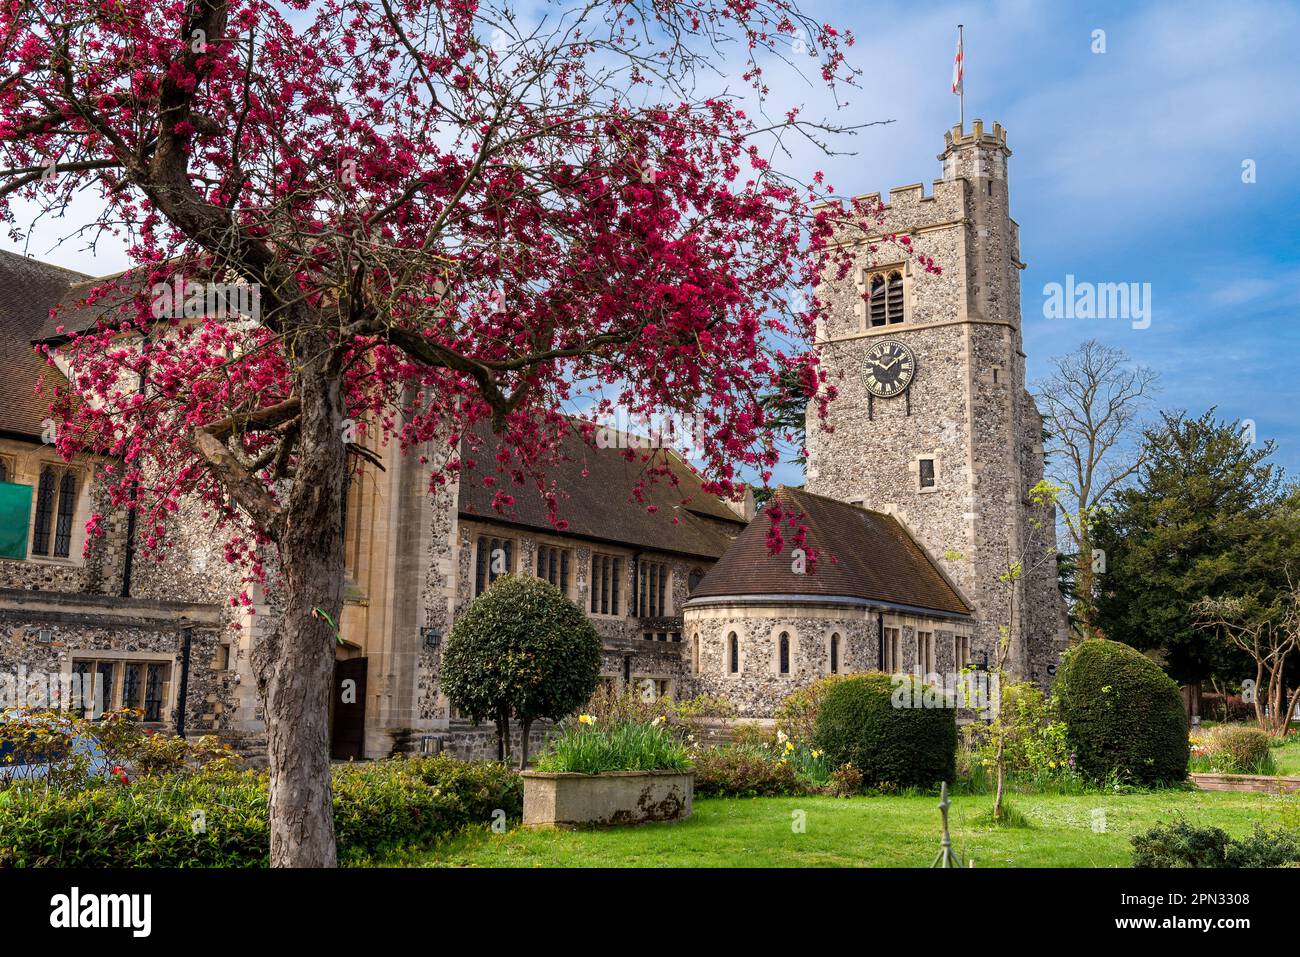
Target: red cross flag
957,67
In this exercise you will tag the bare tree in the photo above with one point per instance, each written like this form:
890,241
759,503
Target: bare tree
1092,404
1269,635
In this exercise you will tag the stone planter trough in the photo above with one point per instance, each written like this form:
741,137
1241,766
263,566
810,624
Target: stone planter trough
603,800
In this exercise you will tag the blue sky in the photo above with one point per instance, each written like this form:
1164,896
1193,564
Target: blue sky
1127,167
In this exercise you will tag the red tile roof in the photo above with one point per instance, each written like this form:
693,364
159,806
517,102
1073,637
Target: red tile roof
599,504
28,290
860,554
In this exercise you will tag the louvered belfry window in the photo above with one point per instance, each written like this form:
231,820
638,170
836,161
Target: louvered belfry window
877,301
894,298
885,303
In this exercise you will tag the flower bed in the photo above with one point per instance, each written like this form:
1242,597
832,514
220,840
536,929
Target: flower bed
597,773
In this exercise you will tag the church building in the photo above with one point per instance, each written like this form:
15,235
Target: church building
918,503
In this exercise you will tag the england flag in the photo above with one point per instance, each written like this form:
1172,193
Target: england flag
958,63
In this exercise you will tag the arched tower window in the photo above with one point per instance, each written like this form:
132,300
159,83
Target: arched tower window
733,653
695,654
785,653
835,654
694,578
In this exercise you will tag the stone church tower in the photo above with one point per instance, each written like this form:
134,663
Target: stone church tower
934,424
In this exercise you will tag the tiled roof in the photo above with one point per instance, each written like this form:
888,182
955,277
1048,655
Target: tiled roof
595,497
28,290
75,314
860,554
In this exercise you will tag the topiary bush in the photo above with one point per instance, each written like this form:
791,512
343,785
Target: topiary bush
796,716
1123,716
893,747
521,650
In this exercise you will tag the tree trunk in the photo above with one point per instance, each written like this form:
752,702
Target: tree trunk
1001,775
503,736
299,667
525,725
1259,694
1085,586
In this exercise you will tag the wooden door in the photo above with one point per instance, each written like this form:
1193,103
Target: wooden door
348,736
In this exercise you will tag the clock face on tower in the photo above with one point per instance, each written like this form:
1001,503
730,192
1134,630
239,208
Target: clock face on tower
889,368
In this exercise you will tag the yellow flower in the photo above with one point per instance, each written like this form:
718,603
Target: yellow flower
788,747
586,719
816,753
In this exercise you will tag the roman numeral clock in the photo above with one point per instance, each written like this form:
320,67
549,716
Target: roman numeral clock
889,369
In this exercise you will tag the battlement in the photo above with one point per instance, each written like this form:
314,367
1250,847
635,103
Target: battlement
957,138
910,194
904,200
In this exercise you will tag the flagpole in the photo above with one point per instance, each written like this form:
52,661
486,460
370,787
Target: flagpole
961,97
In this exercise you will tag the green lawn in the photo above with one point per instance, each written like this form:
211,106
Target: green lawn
1287,758
866,832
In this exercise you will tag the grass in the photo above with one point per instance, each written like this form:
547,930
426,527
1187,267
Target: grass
1090,830
1286,759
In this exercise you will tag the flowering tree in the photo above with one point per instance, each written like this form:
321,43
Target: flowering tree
431,213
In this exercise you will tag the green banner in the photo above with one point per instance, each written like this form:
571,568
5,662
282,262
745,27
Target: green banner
15,519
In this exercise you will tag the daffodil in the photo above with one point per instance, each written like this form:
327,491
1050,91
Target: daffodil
586,719
782,737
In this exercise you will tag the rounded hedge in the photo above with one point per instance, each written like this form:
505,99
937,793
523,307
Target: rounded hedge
882,729
521,648
1122,715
